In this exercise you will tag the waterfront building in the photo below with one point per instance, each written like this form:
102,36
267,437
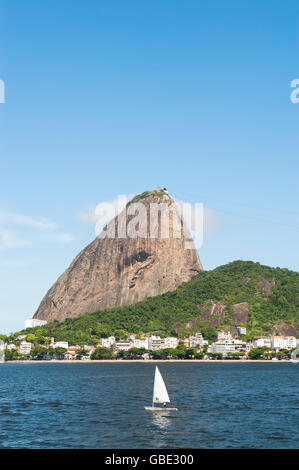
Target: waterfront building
141,343
154,343
25,347
33,322
262,341
226,346
108,342
276,342
171,342
123,345
283,342
71,352
69,355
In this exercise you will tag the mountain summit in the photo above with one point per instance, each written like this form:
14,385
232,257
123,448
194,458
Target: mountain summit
139,254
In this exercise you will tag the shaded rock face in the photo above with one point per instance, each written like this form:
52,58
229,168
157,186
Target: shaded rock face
213,311
266,285
240,313
112,272
285,329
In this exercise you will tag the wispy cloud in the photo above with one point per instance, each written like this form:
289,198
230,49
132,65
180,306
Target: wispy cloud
9,239
39,223
63,238
13,226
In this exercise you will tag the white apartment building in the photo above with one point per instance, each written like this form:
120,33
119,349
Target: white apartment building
141,343
283,342
155,343
108,342
171,342
201,340
25,347
33,322
224,336
276,342
241,330
226,346
197,340
263,341
123,345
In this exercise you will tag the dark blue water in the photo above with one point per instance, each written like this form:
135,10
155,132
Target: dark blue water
101,406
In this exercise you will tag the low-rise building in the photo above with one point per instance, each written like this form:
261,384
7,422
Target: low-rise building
197,341
108,342
123,345
226,346
25,347
224,335
11,346
241,330
201,341
71,352
69,356
141,343
262,341
171,342
276,342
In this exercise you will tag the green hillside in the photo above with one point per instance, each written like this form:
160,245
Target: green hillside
261,298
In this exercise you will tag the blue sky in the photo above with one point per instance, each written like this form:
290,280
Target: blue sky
107,98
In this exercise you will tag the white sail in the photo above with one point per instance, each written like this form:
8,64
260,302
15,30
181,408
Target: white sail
160,394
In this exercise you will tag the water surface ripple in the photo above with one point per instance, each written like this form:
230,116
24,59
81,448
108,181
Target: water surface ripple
100,405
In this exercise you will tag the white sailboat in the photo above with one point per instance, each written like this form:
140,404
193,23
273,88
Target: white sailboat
160,394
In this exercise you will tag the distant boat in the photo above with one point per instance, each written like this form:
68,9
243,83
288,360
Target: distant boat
160,394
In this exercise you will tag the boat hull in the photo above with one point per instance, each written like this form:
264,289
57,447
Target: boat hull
157,408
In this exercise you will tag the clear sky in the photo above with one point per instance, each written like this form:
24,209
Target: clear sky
116,97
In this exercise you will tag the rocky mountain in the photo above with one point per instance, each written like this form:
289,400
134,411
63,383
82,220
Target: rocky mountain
118,270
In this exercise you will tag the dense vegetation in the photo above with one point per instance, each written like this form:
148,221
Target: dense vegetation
169,313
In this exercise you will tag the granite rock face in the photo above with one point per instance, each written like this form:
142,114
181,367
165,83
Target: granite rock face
112,272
